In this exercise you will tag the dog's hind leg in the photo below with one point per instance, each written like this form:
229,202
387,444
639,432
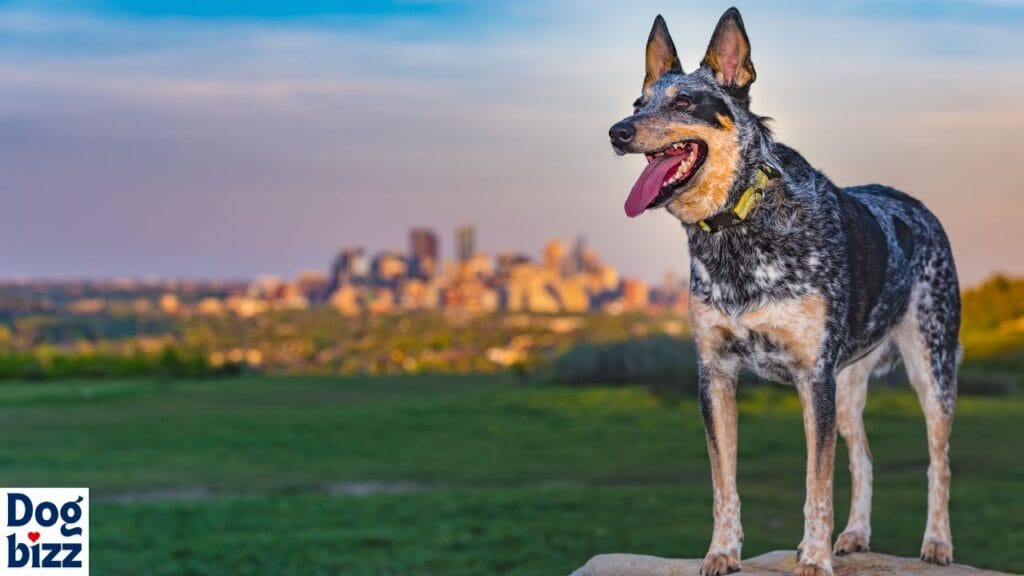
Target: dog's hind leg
927,339
851,394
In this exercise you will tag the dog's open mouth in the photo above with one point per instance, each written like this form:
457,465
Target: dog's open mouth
667,171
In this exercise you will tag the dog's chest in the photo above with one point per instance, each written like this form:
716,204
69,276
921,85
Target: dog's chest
778,341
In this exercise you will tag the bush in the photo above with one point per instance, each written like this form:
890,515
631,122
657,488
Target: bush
997,376
654,360
171,362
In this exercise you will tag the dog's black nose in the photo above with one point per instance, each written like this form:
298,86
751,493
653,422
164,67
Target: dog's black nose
622,133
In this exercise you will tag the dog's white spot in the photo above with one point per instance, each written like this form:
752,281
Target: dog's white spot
701,271
767,274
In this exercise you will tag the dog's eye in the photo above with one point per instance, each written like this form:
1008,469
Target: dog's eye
682,102
638,103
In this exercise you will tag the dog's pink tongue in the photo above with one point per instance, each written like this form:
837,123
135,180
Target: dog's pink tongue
649,183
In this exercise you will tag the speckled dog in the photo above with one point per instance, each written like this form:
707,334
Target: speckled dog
798,280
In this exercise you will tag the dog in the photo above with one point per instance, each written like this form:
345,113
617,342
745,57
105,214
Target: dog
798,280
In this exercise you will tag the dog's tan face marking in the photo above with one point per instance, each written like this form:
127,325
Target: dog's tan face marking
706,195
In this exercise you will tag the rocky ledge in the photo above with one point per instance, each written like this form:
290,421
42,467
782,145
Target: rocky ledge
773,564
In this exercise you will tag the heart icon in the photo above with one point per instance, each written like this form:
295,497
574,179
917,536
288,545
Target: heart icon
33,536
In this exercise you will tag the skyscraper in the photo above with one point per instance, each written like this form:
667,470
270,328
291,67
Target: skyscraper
465,242
554,257
423,253
350,267
577,259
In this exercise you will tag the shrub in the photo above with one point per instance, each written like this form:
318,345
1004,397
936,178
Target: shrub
654,360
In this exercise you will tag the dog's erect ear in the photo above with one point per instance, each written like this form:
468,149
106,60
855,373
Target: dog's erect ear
661,53
729,52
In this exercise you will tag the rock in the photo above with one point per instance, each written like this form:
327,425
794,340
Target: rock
773,564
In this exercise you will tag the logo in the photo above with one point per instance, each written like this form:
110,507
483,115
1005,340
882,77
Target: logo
45,531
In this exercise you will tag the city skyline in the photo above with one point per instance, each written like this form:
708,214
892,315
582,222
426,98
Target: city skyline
461,245
456,251
218,140
562,279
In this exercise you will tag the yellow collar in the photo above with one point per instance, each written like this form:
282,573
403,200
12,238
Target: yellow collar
738,214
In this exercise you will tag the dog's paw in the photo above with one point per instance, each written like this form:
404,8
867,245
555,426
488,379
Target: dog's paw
936,552
808,568
719,564
851,541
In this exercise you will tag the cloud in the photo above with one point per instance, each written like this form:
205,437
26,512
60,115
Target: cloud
232,146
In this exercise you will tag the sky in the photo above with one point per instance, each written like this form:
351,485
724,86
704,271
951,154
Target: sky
233,139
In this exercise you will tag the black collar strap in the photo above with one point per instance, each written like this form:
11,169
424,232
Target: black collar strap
738,214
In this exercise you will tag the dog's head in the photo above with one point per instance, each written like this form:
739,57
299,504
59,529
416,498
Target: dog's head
695,129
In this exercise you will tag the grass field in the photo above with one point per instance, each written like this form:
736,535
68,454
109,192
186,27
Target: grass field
464,475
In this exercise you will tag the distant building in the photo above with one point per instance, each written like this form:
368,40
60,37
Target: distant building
465,243
572,295
416,294
576,262
506,260
424,253
289,296
350,267
635,295
389,268
346,300
313,286
554,254
477,266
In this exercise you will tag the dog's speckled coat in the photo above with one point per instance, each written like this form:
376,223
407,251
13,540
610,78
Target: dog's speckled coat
820,287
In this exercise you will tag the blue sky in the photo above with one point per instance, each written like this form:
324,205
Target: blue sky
239,138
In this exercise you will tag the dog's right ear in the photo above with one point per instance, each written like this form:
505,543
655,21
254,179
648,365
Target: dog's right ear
661,53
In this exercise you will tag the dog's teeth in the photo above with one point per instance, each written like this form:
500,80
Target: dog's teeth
684,167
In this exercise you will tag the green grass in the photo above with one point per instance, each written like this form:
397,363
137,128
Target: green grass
500,478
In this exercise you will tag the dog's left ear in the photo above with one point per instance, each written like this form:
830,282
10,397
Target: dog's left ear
661,53
728,55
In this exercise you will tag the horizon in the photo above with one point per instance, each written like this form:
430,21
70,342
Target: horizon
228,141
324,270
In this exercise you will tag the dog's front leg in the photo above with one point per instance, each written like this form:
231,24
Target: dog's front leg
817,395
718,407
